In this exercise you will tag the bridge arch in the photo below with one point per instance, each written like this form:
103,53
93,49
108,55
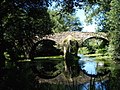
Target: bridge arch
44,47
94,37
81,37
94,45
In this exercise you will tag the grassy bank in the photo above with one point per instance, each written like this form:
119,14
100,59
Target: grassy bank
93,55
49,58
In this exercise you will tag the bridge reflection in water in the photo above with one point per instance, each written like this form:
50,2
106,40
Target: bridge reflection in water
85,79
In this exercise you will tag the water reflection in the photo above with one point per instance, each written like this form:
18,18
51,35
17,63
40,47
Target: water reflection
97,86
53,71
91,67
47,69
49,75
88,64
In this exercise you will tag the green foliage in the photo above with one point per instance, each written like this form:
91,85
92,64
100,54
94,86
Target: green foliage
102,51
96,45
96,11
70,6
19,26
21,20
112,21
114,77
64,22
83,50
107,16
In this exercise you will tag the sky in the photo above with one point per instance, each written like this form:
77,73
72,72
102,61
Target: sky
86,28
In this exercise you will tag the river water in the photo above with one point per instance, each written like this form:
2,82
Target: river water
89,65
85,73
95,70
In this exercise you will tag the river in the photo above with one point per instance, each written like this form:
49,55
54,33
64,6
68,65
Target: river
96,71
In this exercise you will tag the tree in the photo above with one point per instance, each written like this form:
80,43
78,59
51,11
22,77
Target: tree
18,26
22,19
113,24
64,22
3,9
106,14
96,11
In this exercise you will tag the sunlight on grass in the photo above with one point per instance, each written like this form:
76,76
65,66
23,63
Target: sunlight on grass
93,55
103,57
25,60
50,57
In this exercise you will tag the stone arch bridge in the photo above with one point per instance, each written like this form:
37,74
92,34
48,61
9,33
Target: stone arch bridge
80,36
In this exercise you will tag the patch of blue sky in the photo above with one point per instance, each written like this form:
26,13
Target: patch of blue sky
86,28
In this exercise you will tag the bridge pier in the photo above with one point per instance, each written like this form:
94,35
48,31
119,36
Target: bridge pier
70,49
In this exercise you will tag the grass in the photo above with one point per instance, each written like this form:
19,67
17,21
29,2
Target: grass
93,55
99,57
60,57
103,57
25,60
49,58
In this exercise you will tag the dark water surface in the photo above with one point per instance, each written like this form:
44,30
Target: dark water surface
97,78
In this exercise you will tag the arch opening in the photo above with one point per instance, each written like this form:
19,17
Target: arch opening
45,47
94,45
